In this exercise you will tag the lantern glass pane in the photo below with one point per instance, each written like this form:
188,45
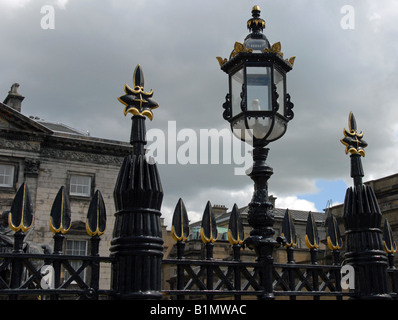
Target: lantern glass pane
236,89
278,130
260,126
258,88
240,131
280,89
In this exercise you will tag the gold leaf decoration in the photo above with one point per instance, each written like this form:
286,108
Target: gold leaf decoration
221,61
238,48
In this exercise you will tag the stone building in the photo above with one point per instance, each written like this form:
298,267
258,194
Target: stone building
49,155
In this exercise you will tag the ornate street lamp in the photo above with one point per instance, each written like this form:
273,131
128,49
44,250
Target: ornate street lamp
257,106
258,109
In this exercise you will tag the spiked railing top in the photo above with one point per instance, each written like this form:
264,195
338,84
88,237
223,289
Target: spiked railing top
21,215
208,230
390,246
311,233
288,230
180,222
60,216
235,228
334,238
96,216
136,100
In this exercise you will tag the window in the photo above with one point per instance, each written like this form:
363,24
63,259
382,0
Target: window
7,175
80,185
77,248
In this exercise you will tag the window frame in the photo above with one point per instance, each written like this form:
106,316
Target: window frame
76,264
14,175
90,186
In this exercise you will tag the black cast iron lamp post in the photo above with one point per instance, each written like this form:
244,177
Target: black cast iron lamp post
258,110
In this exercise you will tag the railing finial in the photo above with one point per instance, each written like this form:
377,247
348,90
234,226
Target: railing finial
21,215
136,100
180,222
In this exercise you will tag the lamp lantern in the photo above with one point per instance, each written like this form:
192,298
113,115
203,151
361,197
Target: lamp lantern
257,105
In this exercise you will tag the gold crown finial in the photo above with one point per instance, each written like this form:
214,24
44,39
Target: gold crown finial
256,24
256,8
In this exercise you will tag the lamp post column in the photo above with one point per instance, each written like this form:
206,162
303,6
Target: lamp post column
261,219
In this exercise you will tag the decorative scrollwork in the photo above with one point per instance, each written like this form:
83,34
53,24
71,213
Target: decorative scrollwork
243,104
289,114
275,96
227,114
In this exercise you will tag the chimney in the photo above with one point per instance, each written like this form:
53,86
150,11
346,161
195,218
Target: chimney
14,99
272,199
219,210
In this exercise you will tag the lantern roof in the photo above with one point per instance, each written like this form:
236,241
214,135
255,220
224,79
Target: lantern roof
255,43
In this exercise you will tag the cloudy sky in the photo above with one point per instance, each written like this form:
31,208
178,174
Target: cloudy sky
346,61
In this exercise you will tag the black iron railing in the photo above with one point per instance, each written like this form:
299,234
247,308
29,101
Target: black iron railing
136,250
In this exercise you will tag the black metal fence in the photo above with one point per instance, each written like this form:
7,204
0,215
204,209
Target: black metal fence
27,275
210,278
32,271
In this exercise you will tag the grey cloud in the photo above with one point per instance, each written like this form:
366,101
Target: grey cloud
74,74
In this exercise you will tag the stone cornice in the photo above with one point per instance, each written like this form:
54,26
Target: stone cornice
73,148
87,145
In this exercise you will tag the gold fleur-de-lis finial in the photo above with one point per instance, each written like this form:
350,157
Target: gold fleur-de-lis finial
137,101
352,139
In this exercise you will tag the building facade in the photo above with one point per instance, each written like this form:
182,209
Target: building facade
47,156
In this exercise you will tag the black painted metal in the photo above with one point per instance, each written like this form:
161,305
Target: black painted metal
209,278
261,219
362,218
137,244
365,252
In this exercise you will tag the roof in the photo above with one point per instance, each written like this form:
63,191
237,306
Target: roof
57,135
15,119
300,215
60,127
279,213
